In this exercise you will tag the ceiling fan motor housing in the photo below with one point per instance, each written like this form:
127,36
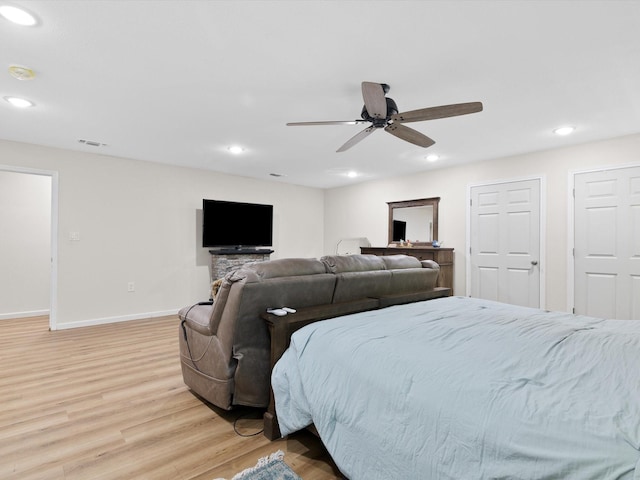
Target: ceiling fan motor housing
392,109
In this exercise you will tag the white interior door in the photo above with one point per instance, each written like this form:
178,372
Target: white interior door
505,242
607,243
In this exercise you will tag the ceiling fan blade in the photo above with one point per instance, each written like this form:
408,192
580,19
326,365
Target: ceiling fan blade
409,134
337,122
374,99
356,138
433,113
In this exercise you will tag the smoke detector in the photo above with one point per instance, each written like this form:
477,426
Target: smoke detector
21,73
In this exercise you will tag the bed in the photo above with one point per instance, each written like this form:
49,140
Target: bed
462,388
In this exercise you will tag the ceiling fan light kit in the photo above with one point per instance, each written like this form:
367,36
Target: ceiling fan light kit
382,112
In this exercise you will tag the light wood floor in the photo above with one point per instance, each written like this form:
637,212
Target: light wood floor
108,402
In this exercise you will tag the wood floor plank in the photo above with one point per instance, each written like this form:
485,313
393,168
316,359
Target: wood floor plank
108,402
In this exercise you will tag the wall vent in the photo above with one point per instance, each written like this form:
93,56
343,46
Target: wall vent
92,143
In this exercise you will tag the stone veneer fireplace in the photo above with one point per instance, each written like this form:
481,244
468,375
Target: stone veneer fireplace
224,261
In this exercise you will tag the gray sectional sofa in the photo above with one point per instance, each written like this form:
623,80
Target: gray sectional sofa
225,347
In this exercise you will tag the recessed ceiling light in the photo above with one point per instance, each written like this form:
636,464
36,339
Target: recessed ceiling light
564,130
432,157
17,15
19,102
235,149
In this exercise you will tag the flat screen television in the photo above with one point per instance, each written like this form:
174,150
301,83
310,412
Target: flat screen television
236,225
399,230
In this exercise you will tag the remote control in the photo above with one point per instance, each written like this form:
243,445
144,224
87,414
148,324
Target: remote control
289,309
277,311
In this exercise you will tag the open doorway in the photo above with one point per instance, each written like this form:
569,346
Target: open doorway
28,244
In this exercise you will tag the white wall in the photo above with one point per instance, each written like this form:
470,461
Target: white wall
138,221
361,210
25,244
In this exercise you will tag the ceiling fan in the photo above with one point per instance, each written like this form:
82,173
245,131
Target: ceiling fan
382,112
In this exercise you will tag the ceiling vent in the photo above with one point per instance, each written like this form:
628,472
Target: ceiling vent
92,143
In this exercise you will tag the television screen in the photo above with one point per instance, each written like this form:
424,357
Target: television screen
399,230
236,224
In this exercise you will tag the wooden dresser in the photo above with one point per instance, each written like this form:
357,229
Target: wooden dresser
442,256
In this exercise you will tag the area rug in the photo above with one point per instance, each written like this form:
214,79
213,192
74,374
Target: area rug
268,468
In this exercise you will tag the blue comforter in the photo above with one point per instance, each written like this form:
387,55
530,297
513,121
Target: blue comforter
461,388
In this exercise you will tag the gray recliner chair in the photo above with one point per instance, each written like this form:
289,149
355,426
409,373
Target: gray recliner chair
225,347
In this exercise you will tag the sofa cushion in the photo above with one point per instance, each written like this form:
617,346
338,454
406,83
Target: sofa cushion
400,261
353,263
287,267
406,280
357,285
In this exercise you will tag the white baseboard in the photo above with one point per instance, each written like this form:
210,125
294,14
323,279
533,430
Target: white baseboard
123,318
34,313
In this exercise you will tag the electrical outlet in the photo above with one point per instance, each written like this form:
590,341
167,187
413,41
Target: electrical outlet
74,236
131,287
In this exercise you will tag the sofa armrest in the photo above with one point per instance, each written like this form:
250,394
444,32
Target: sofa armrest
198,318
430,264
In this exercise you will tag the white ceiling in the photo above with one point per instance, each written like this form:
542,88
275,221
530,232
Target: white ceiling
177,82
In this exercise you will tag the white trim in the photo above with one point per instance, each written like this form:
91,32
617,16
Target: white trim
53,300
571,238
543,230
543,241
122,318
53,306
34,313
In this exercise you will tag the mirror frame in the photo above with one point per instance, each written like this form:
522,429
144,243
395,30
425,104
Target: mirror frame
422,202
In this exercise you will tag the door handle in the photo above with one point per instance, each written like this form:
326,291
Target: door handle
534,262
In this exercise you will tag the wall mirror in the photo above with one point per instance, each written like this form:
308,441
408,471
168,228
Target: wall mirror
415,220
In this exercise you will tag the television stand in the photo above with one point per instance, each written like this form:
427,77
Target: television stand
241,251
